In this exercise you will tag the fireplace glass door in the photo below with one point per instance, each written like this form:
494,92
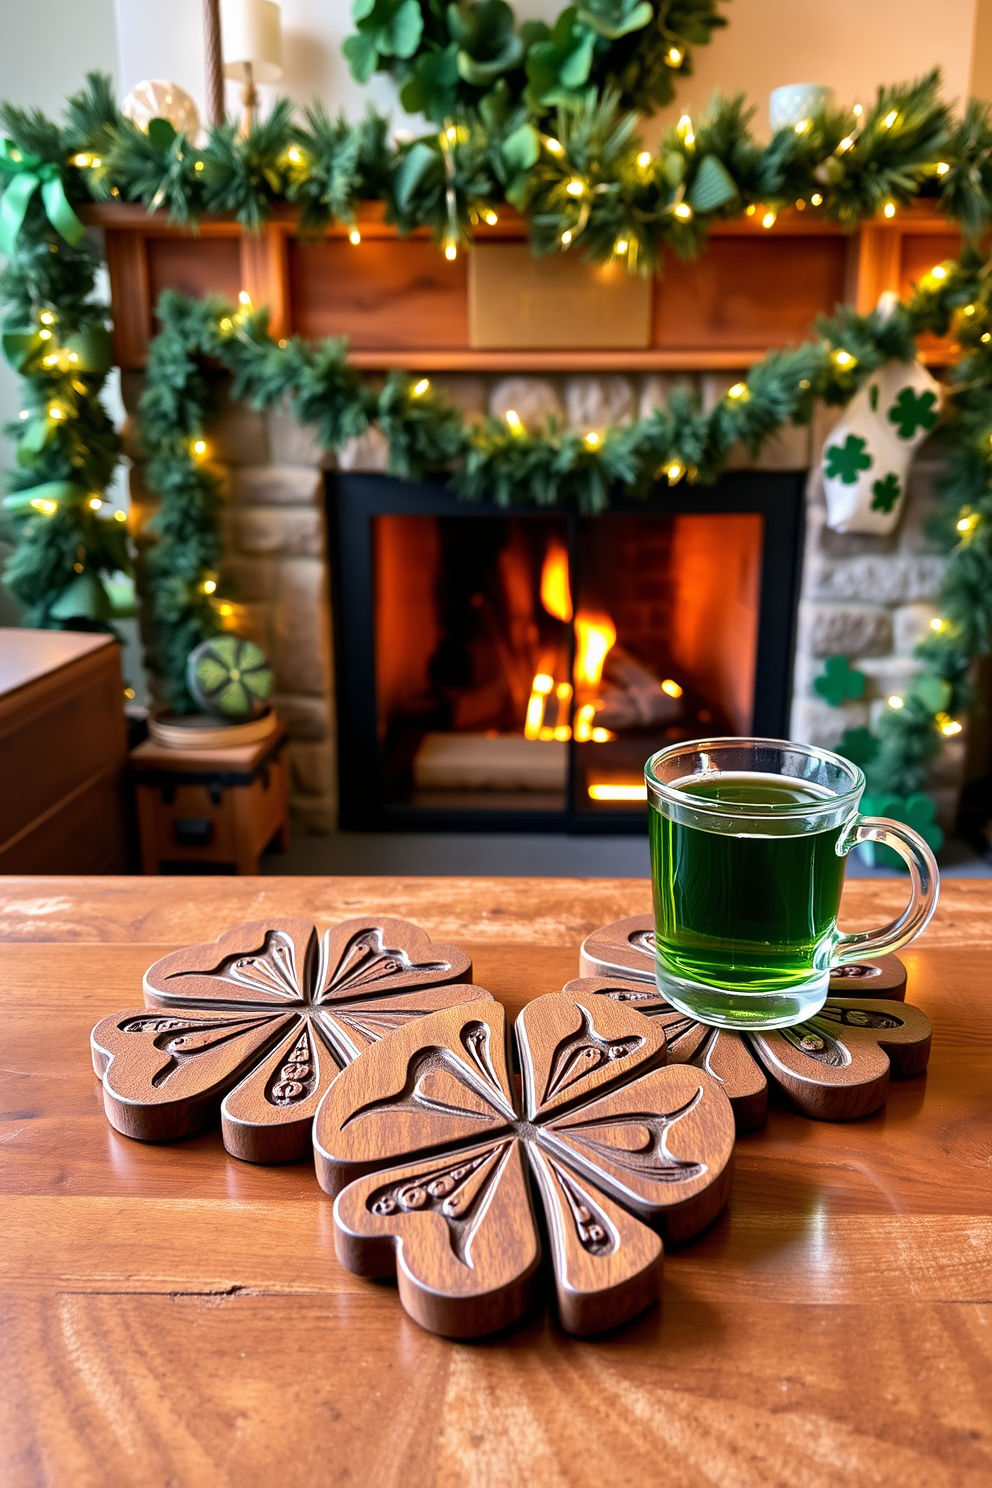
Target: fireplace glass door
516,668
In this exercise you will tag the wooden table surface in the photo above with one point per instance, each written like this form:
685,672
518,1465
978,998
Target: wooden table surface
174,1317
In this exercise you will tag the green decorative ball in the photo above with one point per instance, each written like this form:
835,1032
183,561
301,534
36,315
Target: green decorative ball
229,678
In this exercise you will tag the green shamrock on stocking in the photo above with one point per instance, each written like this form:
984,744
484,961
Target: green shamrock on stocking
916,811
885,493
845,460
912,411
839,681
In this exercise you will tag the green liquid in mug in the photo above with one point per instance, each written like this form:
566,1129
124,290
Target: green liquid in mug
749,913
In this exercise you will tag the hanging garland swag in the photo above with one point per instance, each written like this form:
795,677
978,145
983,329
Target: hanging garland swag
549,134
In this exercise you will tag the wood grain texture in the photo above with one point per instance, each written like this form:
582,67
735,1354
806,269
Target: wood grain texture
172,1316
260,1021
494,911
426,1149
61,809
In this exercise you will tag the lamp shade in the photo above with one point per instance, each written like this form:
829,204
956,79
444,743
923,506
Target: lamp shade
251,32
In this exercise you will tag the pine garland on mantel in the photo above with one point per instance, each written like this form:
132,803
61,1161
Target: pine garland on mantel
501,459
585,183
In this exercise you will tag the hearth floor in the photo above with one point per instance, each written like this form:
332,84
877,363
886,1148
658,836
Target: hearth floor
510,854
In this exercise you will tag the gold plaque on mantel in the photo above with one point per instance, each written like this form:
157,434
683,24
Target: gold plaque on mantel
517,302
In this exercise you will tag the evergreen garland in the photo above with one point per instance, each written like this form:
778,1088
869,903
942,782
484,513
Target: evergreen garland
584,183
502,460
54,334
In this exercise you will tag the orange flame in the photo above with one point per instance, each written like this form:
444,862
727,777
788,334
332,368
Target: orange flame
594,637
556,592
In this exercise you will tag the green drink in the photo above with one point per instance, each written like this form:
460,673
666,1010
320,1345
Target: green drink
748,842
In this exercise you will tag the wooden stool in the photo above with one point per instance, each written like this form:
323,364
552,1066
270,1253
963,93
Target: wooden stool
219,806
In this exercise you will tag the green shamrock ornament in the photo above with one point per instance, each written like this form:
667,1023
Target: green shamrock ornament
912,411
839,681
916,811
858,745
843,461
885,492
229,678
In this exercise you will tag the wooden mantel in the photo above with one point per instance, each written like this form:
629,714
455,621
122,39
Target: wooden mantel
401,304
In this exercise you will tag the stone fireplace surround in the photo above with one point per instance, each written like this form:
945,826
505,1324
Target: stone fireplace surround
867,598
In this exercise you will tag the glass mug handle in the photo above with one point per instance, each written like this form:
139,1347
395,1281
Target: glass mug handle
924,879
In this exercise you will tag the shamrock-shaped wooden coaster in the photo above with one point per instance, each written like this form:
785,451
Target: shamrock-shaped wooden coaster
428,1152
260,1022
835,1067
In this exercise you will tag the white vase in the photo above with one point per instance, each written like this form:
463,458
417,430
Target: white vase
797,101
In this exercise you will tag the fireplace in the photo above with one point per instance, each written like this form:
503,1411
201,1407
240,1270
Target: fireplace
513,669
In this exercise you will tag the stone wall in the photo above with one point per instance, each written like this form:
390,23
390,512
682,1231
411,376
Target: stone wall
871,599
867,598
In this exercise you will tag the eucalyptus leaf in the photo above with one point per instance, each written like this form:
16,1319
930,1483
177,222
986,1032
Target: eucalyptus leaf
521,149
411,170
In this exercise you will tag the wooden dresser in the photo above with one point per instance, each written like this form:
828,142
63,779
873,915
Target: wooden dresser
63,751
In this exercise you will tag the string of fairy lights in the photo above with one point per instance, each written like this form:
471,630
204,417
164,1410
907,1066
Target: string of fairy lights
584,181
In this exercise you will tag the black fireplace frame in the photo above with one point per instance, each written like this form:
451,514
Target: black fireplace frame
355,498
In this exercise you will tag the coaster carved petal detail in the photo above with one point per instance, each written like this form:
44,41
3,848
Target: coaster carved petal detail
261,1021
834,1067
428,1152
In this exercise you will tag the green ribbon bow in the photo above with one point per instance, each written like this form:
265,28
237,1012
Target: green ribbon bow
29,172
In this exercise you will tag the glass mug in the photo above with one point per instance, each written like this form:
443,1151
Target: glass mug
748,842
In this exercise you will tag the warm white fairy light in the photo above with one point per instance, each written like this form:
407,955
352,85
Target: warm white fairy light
575,187
674,56
566,238
889,209
354,237
769,219
420,388
844,358
816,199
620,246
890,119
244,298
491,218
895,701
95,503
682,211
644,159
942,167
593,439
450,252
555,146
514,420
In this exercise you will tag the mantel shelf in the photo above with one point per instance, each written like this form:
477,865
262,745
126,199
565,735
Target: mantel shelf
402,305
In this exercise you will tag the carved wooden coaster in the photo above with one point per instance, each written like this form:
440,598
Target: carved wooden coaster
835,1067
260,1022
427,1151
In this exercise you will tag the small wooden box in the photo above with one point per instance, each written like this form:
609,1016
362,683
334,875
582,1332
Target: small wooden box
517,302
211,806
63,753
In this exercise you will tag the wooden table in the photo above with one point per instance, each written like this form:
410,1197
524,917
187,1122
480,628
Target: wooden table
172,1316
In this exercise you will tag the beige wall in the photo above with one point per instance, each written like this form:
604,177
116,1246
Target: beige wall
850,45
981,52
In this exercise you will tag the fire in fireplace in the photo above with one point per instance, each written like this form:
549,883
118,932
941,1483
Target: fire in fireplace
501,669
